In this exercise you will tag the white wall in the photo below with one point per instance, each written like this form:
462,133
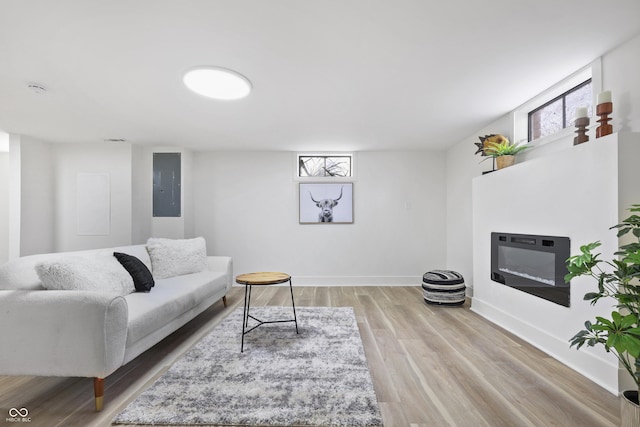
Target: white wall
71,159
45,184
624,84
5,188
4,206
188,201
246,206
141,209
462,167
4,142
14,196
43,193
37,197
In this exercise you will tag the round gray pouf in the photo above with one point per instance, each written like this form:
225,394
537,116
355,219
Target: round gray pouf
443,287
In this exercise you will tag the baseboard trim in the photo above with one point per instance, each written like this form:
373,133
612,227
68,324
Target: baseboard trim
599,370
356,280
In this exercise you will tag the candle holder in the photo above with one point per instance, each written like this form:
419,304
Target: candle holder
581,130
603,110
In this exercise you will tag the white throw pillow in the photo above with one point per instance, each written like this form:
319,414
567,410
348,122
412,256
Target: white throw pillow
99,273
175,257
20,273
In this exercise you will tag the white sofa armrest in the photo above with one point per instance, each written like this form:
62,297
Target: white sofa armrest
223,264
62,333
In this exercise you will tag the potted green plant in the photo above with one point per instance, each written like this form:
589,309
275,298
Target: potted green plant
504,151
618,279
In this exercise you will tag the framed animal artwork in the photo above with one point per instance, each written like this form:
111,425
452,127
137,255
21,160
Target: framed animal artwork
326,203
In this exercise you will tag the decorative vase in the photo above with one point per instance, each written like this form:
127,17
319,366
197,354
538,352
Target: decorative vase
629,409
505,161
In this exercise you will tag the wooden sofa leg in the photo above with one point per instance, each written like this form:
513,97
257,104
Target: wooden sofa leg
224,300
98,391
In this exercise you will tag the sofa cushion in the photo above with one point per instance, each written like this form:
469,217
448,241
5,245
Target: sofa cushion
142,278
20,273
97,273
175,257
170,298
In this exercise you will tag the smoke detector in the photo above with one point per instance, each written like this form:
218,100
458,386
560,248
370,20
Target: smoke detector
36,88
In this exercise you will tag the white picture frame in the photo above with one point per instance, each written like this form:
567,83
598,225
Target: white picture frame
326,203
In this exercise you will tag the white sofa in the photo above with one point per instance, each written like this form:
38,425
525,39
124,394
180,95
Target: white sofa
89,333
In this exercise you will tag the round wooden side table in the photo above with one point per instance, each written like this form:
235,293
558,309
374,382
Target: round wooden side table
261,279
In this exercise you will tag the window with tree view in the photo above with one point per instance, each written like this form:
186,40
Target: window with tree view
337,166
559,113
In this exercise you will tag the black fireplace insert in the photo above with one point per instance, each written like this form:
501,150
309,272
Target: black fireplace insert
533,264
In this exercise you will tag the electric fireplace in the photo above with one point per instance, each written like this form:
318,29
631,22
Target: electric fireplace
532,264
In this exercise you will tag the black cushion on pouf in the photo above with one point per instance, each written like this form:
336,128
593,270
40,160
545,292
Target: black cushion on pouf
443,287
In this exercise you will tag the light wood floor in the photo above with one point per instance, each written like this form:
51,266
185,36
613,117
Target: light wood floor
431,366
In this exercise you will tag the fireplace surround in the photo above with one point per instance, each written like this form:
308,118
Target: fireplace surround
561,190
533,264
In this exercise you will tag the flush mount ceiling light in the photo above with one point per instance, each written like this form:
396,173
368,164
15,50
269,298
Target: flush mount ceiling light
218,83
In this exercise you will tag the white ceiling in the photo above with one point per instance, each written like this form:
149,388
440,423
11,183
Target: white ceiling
326,75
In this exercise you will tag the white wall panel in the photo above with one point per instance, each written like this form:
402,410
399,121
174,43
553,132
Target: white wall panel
72,159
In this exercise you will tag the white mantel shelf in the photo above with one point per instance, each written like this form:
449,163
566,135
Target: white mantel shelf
578,192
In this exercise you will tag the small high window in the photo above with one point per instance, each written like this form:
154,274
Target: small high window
558,113
327,166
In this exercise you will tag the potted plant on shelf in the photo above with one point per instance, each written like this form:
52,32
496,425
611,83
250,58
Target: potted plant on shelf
618,279
503,151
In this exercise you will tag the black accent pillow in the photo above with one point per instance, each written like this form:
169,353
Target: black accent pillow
142,278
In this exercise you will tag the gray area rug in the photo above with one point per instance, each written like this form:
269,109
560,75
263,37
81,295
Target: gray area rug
318,377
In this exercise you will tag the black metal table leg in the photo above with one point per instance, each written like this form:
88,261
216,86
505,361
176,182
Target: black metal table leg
244,318
293,304
248,307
